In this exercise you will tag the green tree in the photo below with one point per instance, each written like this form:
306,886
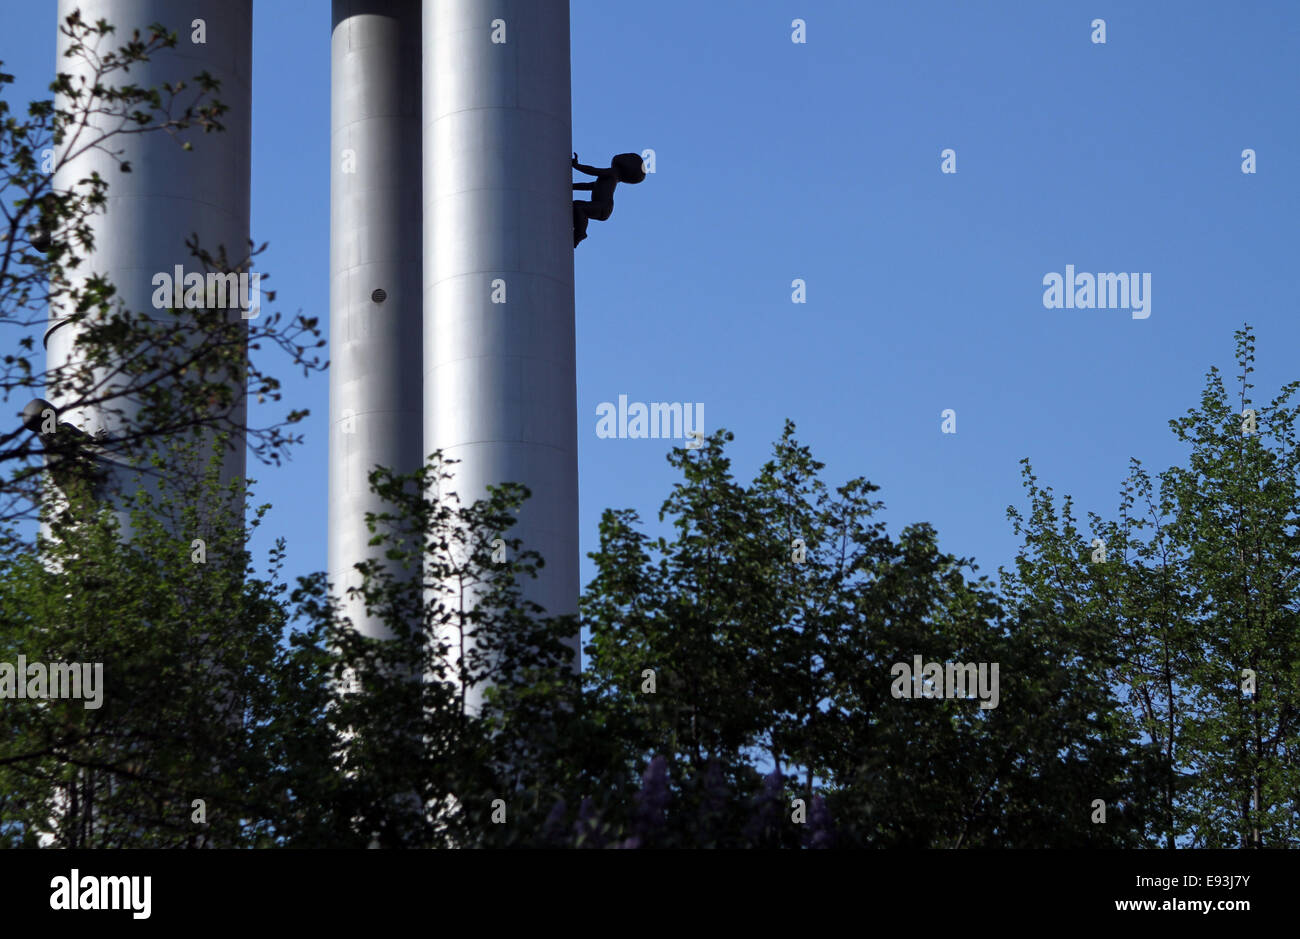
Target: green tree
772,622
1235,516
195,676
471,697
1193,603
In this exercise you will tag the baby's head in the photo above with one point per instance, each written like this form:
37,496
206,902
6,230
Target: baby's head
629,166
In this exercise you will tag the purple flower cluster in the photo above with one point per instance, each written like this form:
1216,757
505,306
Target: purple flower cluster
651,801
588,832
821,830
768,826
768,808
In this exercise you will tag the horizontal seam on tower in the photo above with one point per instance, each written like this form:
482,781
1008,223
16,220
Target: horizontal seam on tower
487,355
493,107
145,195
496,270
531,443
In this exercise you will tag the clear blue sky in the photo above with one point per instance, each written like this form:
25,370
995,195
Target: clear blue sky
821,161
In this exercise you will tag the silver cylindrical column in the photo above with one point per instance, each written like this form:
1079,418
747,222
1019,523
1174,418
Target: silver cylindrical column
375,270
169,193
499,377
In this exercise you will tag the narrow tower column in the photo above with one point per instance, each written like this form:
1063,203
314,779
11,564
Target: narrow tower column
169,194
375,270
499,374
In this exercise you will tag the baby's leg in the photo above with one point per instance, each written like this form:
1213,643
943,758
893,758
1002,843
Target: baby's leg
579,221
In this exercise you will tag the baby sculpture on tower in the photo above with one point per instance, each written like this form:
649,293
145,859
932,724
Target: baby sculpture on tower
624,168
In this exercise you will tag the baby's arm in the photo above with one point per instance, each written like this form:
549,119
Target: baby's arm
589,170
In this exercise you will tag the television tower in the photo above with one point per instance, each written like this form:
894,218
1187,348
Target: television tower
376,410
169,195
483,365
